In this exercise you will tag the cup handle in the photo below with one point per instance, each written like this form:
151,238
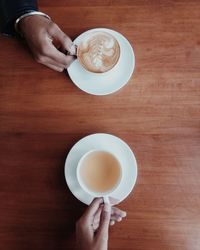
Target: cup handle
106,200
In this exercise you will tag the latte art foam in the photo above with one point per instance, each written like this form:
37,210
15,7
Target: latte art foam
99,52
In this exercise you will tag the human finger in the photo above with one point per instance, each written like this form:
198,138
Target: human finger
95,226
112,222
116,218
98,214
118,212
56,68
50,63
97,218
104,222
93,207
113,201
59,57
49,50
62,38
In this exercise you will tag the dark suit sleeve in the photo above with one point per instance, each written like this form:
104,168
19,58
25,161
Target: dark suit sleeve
10,10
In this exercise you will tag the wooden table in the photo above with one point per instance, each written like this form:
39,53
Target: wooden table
42,115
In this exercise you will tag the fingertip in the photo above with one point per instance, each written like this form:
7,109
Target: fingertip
119,219
112,222
124,214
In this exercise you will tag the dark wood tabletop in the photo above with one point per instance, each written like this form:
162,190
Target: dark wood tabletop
42,115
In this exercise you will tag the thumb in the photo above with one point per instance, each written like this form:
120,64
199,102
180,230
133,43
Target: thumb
102,233
64,41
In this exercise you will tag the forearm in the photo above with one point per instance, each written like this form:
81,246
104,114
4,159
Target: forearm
11,10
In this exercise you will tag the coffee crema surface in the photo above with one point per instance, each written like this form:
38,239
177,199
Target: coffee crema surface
99,52
100,172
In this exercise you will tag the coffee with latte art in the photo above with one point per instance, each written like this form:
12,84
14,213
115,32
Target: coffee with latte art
98,52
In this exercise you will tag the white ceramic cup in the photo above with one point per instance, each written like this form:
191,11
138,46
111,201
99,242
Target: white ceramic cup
93,193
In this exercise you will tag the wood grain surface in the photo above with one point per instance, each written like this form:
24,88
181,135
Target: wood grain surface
42,115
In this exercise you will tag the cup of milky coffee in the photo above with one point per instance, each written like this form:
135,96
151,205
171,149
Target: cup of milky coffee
99,173
98,52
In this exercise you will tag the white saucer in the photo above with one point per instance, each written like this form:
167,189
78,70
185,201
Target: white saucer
111,81
105,142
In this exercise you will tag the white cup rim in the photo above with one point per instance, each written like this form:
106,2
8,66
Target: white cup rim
83,186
